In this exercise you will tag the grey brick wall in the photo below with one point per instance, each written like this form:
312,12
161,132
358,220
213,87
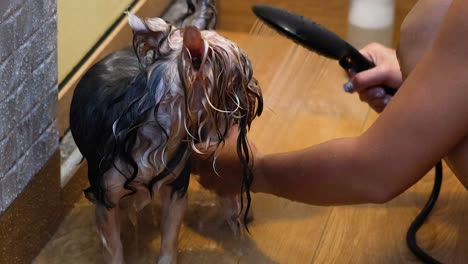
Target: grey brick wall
28,92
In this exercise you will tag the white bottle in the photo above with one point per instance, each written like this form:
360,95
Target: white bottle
371,21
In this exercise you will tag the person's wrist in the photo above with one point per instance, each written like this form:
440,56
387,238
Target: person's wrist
259,181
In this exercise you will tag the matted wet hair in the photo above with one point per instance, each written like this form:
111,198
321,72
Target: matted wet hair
183,85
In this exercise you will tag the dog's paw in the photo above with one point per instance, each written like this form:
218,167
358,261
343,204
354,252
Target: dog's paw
167,259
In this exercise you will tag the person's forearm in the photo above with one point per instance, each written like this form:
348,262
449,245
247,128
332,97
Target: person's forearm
325,174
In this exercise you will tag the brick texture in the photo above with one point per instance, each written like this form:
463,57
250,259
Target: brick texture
28,92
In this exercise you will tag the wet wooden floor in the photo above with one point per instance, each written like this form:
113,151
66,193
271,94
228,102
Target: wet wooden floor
304,105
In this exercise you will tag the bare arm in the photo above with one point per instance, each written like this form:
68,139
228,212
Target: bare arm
426,119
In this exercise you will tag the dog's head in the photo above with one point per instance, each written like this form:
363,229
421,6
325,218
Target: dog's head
213,73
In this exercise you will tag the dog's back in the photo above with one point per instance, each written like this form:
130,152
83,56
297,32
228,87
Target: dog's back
100,98
95,102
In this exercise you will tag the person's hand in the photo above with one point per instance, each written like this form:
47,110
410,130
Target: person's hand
368,84
228,181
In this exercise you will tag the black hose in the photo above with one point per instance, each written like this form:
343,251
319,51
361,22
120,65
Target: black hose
421,217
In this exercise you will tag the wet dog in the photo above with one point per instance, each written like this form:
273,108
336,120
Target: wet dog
137,115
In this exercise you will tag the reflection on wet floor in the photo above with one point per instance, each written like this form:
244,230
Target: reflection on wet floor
204,235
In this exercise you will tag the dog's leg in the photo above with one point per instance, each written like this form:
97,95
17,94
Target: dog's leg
108,222
232,213
173,210
131,205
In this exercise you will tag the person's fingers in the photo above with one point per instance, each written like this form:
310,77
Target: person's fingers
376,98
379,104
231,136
371,94
219,185
364,80
205,182
370,51
385,73
380,75
233,131
222,175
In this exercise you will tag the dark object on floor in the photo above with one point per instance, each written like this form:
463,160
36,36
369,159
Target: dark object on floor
421,217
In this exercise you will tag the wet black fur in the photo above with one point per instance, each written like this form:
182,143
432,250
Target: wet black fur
115,89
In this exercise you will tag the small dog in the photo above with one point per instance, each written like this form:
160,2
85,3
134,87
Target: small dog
137,115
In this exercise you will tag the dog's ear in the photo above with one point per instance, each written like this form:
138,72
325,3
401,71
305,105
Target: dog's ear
147,35
194,46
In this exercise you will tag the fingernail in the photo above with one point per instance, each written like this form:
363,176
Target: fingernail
348,87
387,99
379,93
